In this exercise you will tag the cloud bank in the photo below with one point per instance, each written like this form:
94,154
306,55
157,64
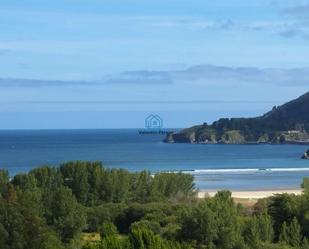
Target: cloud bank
299,27
15,82
298,11
217,74
202,74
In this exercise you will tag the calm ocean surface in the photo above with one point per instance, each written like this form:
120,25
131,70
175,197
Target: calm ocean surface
235,167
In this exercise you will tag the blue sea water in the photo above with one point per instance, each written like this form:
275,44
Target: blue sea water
235,167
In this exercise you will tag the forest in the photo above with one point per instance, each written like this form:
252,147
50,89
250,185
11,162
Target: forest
83,205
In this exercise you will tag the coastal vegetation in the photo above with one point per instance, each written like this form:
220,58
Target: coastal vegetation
288,123
84,205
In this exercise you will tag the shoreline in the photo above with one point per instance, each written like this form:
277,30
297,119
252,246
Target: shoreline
251,194
245,143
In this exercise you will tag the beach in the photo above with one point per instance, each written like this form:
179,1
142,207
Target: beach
258,194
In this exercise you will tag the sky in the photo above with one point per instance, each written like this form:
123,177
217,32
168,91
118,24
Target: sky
109,63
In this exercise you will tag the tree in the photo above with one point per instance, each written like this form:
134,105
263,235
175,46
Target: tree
142,238
284,233
68,216
167,185
303,212
112,242
295,233
212,223
266,231
305,244
4,237
24,182
251,232
229,230
121,181
110,237
291,234
134,212
22,228
47,177
199,224
154,226
108,229
4,180
75,175
283,208
258,229
142,187
305,184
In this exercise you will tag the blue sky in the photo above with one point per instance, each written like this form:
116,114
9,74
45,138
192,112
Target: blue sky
109,64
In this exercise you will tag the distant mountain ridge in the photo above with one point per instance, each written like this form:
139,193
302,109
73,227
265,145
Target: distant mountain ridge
288,123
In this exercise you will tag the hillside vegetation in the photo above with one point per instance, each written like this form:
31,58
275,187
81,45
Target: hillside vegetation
288,123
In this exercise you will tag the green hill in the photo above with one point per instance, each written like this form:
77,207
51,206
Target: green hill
288,123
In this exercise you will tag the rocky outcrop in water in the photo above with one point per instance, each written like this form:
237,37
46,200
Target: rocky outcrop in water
306,155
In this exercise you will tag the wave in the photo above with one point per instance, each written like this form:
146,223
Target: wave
248,170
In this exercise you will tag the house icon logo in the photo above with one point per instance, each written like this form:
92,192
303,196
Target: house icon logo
153,122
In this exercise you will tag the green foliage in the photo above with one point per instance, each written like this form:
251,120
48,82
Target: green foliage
4,180
283,208
75,175
305,184
168,185
257,230
22,228
213,223
284,233
265,227
50,207
24,181
47,177
68,216
92,184
305,244
111,242
142,238
153,212
142,187
108,230
291,234
295,236
97,215
153,226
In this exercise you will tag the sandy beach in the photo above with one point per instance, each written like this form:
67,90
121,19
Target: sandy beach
252,194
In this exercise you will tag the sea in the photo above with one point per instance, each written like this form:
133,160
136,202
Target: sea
214,166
